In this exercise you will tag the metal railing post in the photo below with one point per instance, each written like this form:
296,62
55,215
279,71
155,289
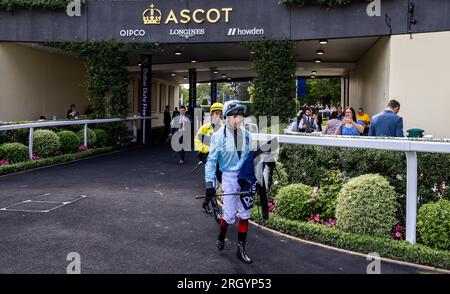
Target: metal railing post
30,143
411,196
85,135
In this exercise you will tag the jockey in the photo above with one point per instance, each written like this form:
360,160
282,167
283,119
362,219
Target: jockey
203,139
231,149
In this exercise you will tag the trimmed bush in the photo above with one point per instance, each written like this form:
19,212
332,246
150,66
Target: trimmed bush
14,152
46,143
295,202
69,141
367,205
102,138
91,137
434,224
30,164
330,186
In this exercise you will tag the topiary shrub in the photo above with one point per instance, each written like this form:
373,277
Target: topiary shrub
102,138
367,205
330,186
295,202
14,152
69,141
46,143
91,137
434,224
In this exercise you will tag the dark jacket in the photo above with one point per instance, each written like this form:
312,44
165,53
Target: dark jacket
167,117
386,124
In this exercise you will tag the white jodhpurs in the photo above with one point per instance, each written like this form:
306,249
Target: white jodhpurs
232,204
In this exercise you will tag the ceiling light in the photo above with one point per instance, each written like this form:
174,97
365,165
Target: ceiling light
215,72
139,64
313,77
323,42
320,52
193,61
178,53
314,72
173,74
252,52
224,76
229,79
185,78
317,60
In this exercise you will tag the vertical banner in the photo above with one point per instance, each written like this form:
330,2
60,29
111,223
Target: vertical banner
192,90
192,98
146,95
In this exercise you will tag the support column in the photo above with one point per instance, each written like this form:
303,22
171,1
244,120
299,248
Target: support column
192,99
192,90
213,91
146,96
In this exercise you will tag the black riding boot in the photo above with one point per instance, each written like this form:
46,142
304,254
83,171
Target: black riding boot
220,243
242,253
242,236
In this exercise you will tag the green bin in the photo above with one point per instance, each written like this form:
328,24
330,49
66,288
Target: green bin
415,133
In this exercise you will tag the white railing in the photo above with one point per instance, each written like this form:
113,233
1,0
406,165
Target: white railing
86,122
410,147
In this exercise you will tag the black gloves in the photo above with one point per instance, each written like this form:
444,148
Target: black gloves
210,191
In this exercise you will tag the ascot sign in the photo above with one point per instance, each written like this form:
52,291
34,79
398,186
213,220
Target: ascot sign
153,16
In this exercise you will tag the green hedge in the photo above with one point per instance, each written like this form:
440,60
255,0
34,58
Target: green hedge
330,186
48,4
46,143
309,165
386,247
19,135
434,224
367,205
14,152
13,168
280,179
69,141
274,84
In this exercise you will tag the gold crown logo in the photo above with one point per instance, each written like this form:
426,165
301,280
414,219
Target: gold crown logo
152,16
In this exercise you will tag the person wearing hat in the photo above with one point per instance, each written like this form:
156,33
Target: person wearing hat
203,139
231,149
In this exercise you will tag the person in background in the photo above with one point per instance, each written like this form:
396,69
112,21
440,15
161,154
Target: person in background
348,126
202,142
72,113
175,113
339,112
327,111
308,123
332,124
318,117
167,121
363,118
387,123
178,125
